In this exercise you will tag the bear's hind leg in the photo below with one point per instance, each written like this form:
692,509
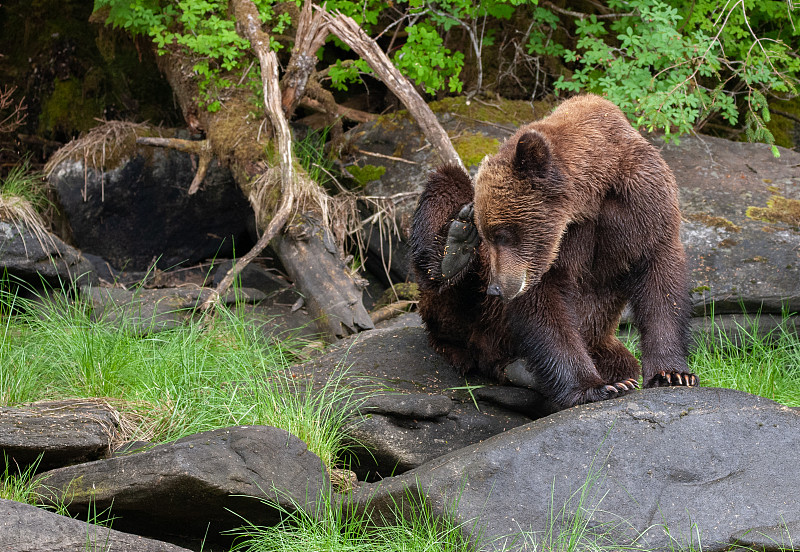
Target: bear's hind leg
615,362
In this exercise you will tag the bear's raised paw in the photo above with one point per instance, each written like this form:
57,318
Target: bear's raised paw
669,379
462,239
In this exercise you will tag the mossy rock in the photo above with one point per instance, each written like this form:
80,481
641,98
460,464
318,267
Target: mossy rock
366,174
473,147
720,223
499,110
402,292
71,107
785,130
778,209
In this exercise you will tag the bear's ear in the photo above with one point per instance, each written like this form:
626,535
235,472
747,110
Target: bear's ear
532,156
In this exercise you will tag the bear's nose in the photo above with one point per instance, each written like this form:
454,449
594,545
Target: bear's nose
493,289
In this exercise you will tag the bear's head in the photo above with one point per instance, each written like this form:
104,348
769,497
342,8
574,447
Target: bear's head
520,212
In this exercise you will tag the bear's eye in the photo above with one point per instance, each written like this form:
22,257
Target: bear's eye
504,237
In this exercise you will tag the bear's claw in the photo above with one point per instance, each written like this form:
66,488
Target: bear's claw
462,239
667,379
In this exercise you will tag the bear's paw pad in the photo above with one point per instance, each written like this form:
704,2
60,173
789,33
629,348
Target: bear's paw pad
462,239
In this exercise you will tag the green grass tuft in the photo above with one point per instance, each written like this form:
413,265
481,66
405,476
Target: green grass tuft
211,373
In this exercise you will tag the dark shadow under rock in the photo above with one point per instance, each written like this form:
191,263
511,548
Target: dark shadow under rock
63,432
25,528
196,487
668,467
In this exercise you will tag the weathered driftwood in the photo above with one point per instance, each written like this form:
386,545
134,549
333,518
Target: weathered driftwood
312,262
349,32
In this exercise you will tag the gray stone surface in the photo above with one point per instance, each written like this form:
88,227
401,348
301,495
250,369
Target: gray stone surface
63,432
737,260
668,467
26,528
423,408
197,486
146,311
35,260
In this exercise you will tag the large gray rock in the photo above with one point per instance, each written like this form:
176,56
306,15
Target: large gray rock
737,260
668,467
420,407
140,210
62,432
26,528
197,486
44,259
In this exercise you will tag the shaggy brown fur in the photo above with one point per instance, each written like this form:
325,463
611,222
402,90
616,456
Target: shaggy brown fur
576,216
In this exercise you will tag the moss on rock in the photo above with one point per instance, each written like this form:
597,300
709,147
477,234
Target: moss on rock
366,174
473,147
778,209
498,110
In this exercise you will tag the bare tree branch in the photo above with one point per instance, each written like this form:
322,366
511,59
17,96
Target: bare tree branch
354,36
311,34
248,24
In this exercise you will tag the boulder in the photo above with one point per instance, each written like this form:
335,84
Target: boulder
26,528
140,211
739,260
37,259
666,468
197,486
420,407
62,432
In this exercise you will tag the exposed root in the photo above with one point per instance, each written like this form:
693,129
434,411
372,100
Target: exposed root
100,146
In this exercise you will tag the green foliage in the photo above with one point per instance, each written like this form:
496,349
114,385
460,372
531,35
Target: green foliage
366,174
672,74
764,363
335,526
200,29
424,59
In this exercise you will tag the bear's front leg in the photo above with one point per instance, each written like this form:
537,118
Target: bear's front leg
547,336
660,307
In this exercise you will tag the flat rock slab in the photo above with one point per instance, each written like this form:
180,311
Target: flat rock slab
26,528
63,432
668,467
196,486
422,407
151,310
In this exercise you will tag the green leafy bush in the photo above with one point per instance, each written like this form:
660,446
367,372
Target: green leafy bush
671,73
671,65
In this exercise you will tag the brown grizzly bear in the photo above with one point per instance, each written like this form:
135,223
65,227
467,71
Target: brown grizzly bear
576,216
